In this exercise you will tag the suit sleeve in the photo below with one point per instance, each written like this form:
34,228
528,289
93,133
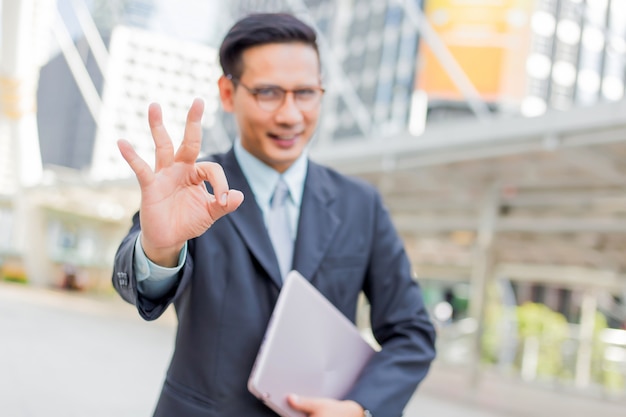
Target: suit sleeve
400,324
125,278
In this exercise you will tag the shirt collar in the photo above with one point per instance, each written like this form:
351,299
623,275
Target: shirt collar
263,179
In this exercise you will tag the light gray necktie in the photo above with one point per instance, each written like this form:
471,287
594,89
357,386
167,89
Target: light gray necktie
279,228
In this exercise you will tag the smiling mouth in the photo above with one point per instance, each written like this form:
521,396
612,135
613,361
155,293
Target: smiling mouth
284,138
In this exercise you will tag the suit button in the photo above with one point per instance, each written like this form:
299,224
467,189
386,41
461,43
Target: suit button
122,279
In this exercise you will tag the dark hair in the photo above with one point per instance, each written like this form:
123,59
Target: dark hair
260,29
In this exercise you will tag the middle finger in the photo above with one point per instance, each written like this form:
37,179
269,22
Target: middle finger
164,152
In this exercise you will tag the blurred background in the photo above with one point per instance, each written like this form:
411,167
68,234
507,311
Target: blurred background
494,129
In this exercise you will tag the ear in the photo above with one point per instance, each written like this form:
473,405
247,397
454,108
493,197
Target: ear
227,93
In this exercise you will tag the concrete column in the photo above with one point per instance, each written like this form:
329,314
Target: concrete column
482,272
19,73
588,311
23,32
31,239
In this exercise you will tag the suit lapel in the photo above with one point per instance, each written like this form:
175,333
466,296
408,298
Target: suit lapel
316,227
318,222
248,220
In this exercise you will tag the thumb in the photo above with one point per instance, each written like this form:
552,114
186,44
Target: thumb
305,404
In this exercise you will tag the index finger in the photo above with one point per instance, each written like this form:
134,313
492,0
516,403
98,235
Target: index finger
140,167
190,147
214,174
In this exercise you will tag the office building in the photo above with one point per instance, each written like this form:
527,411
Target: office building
146,67
527,57
368,52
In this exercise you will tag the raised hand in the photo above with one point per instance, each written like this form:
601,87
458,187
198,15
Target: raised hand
175,204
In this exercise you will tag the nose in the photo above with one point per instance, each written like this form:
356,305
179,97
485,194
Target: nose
288,112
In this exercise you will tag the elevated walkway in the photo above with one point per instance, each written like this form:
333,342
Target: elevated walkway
472,139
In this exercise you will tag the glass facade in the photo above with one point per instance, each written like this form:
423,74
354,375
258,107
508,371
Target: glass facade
577,56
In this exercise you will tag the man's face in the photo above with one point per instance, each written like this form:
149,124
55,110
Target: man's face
276,137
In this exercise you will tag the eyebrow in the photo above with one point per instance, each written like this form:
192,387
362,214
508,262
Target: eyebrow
297,87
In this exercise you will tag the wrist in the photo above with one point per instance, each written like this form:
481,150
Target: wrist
164,257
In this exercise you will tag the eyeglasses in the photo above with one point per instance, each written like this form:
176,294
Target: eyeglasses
271,97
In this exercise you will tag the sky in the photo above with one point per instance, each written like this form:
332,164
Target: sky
193,20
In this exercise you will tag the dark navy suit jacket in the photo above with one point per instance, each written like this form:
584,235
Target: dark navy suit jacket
229,284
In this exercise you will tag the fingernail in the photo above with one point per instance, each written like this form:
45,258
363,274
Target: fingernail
295,398
224,198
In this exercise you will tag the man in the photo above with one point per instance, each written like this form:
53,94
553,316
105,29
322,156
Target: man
223,275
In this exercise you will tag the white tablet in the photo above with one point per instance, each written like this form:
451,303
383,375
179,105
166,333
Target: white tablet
310,349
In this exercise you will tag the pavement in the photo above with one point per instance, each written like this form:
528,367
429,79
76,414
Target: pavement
83,355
